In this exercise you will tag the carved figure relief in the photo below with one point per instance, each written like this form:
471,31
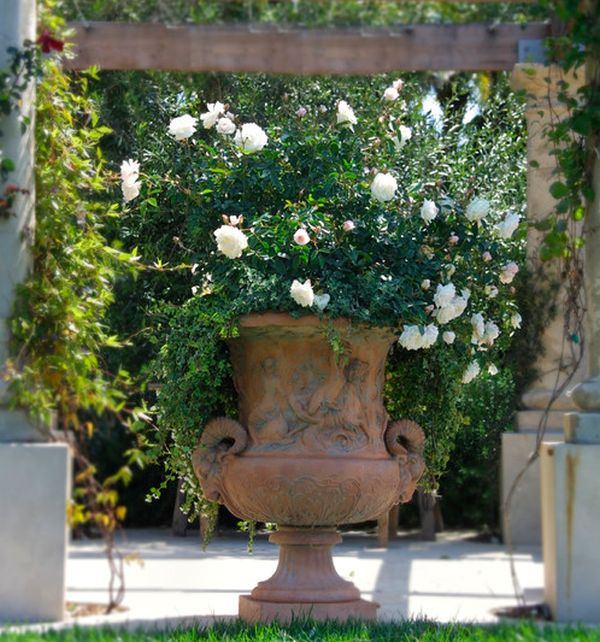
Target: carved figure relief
304,412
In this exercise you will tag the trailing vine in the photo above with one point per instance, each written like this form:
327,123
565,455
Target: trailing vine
573,140
58,330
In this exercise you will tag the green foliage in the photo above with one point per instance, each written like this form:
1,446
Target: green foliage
425,387
23,66
574,138
469,486
196,381
306,12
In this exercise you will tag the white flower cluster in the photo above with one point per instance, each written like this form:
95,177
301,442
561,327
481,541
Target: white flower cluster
393,91
345,114
182,127
509,271
507,227
303,294
402,137
412,338
477,210
473,369
130,185
429,211
231,241
250,137
448,304
484,332
383,187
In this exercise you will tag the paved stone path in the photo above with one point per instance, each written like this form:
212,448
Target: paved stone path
453,579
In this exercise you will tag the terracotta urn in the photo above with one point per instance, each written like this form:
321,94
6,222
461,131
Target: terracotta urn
313,448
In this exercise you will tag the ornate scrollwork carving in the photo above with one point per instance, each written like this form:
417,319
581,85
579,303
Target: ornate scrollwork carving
222,437
404,440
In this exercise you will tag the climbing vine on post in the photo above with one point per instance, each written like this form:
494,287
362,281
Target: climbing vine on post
58,330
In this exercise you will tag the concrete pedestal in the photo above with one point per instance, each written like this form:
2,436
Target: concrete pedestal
570,527
34,489
525,515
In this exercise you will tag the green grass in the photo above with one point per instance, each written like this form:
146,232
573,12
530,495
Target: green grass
307,631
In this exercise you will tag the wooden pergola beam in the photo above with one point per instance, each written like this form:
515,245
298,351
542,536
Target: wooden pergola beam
296,50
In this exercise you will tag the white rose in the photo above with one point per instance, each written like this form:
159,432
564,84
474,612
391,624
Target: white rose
411,338
182,127
383,187
471,372
398,84
130,170
209,119
321,301
301,236
405,134
448,337
425,284
454,309
509,272
492,369
478,324
348,226
516,320
444,294
130,189
251,137
345,114
492,332
486,256
477,209
390,94
430,335
491,291
302,293
506,228
429,211
301,112
225,126
231,241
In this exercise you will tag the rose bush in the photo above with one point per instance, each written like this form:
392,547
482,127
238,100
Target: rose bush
330,206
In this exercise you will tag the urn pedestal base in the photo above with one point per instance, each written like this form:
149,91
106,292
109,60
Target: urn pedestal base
305,583
256,612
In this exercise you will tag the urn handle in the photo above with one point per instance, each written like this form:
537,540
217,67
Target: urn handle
222,437
405,441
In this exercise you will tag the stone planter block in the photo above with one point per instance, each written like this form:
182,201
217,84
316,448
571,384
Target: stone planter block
582,428
570,526
525,515
34,483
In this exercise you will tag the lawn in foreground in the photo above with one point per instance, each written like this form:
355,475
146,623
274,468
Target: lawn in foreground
307,631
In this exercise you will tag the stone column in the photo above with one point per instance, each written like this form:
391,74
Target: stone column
570,487
34,475
540,83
